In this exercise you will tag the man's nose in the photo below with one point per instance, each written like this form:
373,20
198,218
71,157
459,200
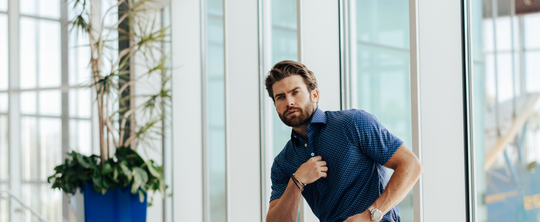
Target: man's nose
290,101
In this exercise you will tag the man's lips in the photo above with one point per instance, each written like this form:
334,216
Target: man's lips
291,112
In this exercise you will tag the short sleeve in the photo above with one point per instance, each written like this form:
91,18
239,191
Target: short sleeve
279,181
374,139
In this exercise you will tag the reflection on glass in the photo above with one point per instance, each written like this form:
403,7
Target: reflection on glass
3,51
50,102
4,154
79,59
49,54
28,103
215,112
505,52
28,66
40,8
381,85
4,102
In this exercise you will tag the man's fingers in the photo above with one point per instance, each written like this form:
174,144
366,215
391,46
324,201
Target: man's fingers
324,169
323,174
321,163
316,158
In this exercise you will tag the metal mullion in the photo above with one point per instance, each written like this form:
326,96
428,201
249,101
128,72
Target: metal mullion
14,107
416,108
64,47
39,18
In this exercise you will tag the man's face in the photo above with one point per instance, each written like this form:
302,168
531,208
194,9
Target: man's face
293,101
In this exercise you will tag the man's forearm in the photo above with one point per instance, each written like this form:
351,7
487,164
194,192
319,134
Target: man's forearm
287,207
401,182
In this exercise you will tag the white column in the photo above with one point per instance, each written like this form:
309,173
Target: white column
318,41
187,110
437,109
14,114
242,82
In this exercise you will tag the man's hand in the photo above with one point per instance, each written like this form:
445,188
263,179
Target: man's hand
311,170
363,217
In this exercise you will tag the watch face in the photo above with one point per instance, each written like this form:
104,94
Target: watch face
376,216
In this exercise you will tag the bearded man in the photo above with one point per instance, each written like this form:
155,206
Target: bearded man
336,160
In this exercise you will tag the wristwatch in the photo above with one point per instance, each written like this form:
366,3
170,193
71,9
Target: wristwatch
376,214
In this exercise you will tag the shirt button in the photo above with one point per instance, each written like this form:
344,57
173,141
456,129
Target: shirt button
294,136
312,154
305,145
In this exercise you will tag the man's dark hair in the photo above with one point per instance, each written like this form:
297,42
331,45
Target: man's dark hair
288,68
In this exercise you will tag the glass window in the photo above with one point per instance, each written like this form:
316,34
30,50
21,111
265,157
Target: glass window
49,54
4,79
215,113
41,8
505,52
381,83
28,60
3,5
4,103
4,154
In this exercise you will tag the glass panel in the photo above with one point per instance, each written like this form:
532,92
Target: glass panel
49,54
28,66
531,30
532,71
506,105
41,8
3,5
4,152
29,149
79,59
50,103
112,15
215,112
43,199
52,203
80,135
381,85
50,145
4,102
80,104
28,103
4,79
4,205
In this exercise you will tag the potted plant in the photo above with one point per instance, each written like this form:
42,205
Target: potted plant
115,186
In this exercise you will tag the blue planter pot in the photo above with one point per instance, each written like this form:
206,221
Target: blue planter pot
117,205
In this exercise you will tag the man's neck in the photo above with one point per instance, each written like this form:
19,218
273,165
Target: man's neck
302,131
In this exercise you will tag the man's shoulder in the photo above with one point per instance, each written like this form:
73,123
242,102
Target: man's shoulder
347,115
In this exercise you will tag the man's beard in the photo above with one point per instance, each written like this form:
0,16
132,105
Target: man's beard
305,115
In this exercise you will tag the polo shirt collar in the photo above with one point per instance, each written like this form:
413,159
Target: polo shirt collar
318,117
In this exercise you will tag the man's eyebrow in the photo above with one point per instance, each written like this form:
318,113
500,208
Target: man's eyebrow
280,94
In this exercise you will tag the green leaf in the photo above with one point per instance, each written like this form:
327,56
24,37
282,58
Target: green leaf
152,170
115,174
141,196
82,161
106,169
139,178
126,171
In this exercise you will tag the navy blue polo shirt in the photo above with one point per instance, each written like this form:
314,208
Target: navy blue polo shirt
355,147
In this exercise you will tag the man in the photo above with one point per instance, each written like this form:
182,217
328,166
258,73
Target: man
337,160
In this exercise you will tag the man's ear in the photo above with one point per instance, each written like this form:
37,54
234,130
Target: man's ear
315,95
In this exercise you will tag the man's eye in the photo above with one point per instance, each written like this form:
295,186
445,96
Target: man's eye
279,97
296,92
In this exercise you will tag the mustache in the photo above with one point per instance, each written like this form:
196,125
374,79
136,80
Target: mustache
292,108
